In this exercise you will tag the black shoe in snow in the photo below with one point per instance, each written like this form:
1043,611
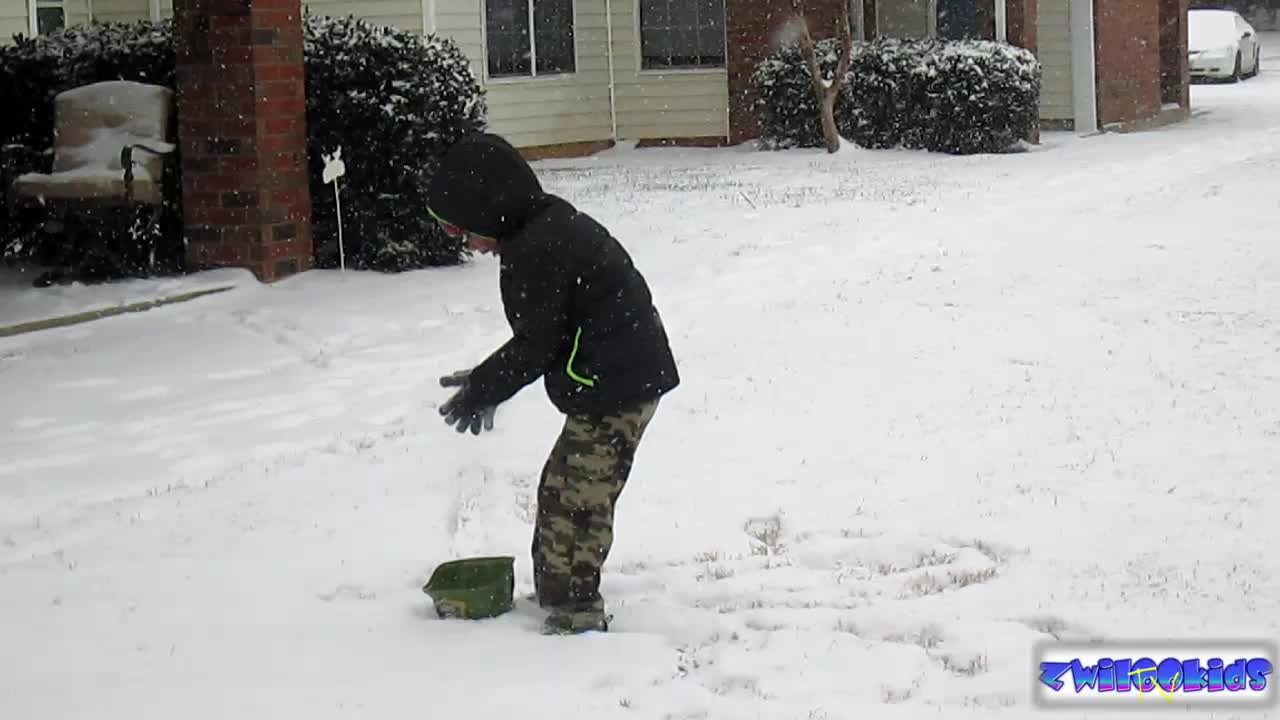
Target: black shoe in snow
561,622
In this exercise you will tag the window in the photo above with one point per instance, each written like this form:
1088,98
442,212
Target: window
513,51
907,19
681,34
49,15
958,20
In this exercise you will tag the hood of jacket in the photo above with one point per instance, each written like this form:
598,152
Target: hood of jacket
484,186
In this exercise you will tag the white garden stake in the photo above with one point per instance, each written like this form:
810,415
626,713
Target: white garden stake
334,168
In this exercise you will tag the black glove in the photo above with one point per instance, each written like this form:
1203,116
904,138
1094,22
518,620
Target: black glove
459,411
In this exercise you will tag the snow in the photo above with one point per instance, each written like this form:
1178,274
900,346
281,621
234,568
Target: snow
20,305
935,410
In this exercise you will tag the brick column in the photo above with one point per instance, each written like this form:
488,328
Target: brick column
242,132
1020,30
1128,41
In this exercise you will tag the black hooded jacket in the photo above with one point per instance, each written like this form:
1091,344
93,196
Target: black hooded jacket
581,314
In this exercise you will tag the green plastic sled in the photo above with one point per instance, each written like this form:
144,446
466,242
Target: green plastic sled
473,588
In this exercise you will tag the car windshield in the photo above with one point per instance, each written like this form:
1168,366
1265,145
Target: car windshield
1209,29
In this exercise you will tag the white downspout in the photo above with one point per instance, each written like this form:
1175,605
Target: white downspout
88,6
613,99
428,17
533,42
155,10
1002,21
33,22
1084,64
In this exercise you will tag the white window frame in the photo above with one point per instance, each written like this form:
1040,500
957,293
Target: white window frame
428,18
33,16
533,75
702,70
1001,11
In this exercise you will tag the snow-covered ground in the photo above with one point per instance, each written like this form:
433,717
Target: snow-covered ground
934,410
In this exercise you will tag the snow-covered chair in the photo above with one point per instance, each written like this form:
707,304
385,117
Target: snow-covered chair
112,156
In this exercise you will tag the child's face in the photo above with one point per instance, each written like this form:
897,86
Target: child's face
479,243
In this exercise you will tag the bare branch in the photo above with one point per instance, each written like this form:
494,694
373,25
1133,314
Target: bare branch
846,54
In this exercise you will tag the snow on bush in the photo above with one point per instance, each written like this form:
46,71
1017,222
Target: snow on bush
394,102
958,96
978,97
392,99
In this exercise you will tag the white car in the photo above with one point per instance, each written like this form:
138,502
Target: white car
1222,45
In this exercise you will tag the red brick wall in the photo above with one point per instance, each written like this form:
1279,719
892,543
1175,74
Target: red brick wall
241,118
1020,30
1127,33
753,29
1022,20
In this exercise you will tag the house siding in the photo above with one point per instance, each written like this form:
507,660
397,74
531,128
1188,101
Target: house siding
13,16
13,21
77,12
402,14
1054,31
121,10
550,110
665,104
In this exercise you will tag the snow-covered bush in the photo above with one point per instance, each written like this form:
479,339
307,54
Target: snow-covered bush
392,99
394,102
958,96
885,100
978,97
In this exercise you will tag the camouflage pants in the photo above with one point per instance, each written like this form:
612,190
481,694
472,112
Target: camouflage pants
579,490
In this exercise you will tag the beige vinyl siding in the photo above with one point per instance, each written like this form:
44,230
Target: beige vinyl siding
462,21
1054,30
550,110
121,10
403,14
668,103
13,20
77,12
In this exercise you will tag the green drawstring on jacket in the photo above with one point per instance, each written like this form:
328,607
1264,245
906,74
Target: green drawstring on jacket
572,356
